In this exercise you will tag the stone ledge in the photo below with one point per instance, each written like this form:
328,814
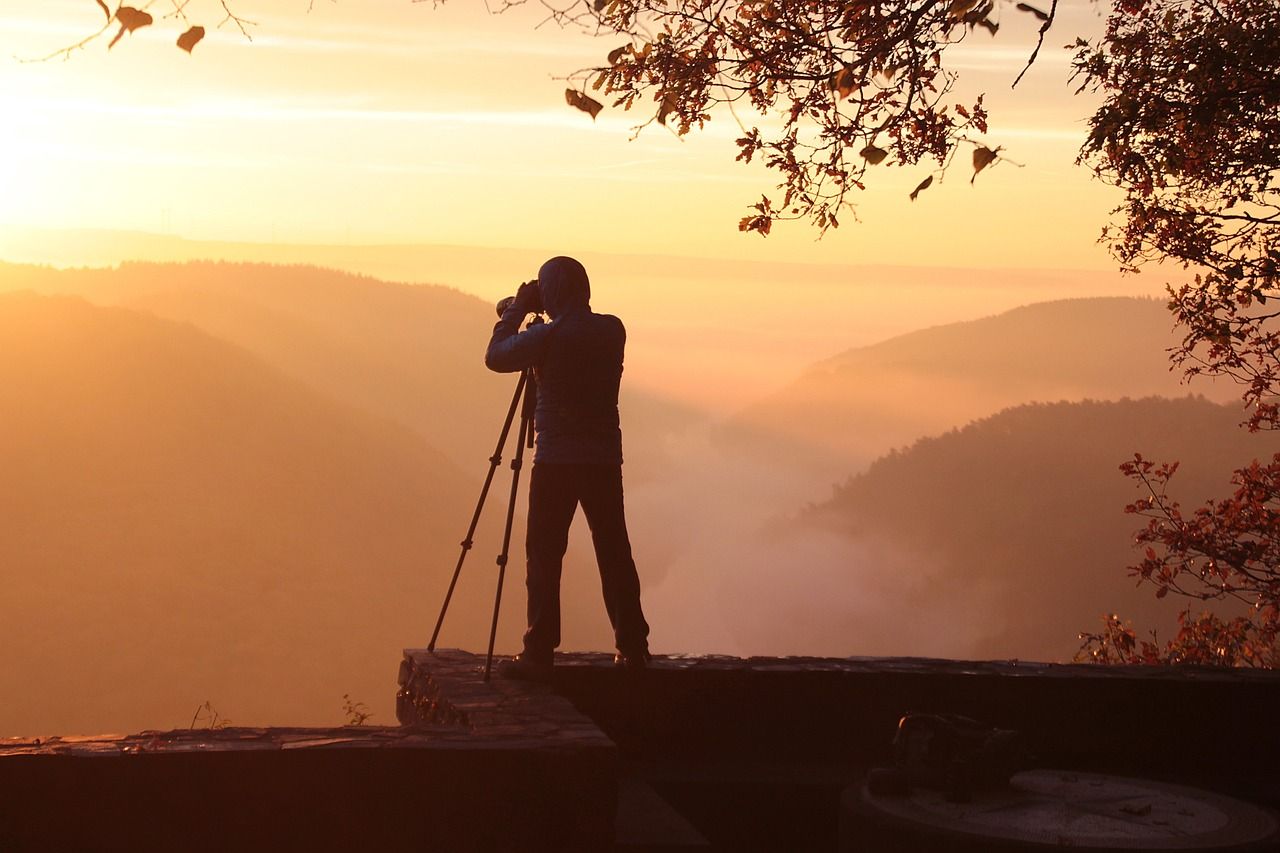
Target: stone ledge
447,687
932,666
233,739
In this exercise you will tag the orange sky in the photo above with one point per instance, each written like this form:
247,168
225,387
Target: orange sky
394,121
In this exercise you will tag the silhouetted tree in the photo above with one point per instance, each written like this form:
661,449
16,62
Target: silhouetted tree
855,84
1190,131
1226,550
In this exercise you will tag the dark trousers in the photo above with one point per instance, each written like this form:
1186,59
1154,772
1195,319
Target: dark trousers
554,494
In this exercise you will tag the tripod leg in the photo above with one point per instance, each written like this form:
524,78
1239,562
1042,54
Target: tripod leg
494,461
526,429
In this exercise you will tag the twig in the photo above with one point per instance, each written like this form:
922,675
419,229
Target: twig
239,21
1044,28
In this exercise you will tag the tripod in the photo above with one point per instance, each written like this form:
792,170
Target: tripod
526,388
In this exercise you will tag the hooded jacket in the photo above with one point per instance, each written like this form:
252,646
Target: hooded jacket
577,362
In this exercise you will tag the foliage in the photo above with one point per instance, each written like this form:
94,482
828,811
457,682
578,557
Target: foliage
128,19
839,87
1226,550
357,713
1203,639
1190,130
836,88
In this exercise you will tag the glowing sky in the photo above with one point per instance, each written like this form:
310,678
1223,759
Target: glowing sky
393,121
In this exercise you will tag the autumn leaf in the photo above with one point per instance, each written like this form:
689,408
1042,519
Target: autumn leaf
190,38
668,105
105,10
617,52
582,101
843,82
923,185
960,8
130,19
1023,7
982,158
873,155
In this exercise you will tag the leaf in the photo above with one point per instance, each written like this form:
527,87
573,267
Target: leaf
617,52
982,158
190,38
923,185
130,19
668,105
1023,7
989,25
582,101
960,8
873,155
843,82
105,10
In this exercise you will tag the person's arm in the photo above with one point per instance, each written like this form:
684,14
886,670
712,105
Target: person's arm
511,349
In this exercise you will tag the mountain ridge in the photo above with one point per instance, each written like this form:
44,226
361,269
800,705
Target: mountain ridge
851,407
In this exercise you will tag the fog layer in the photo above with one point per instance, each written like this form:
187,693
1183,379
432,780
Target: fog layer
246,484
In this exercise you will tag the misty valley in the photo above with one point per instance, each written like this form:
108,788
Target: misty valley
245,484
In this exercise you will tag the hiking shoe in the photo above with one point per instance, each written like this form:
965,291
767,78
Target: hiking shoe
632,661
525,667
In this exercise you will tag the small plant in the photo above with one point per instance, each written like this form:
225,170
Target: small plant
357,712
209,716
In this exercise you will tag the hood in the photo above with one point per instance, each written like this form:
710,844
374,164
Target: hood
564,286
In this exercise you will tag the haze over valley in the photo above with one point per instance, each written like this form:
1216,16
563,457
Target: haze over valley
246,482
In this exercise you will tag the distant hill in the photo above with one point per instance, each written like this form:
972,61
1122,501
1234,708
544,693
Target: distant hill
409,353
1001,539
712,332
849,409
180,521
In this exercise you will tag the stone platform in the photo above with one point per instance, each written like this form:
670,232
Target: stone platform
757,753
695,753
469,783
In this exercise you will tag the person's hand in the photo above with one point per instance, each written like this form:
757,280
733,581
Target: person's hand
529,297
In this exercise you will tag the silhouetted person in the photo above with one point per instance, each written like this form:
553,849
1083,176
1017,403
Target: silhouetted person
577,361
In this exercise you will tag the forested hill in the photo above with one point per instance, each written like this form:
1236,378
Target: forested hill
412,353
180,521
1011,530
851,408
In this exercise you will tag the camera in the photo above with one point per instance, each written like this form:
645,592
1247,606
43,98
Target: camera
534,305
